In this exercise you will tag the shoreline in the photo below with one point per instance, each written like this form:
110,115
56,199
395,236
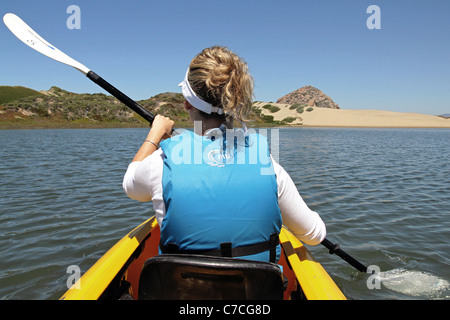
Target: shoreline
374,127
315,118
96,126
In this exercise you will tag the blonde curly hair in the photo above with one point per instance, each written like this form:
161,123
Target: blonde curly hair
221,78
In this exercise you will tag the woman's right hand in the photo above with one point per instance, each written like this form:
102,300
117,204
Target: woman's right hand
162,128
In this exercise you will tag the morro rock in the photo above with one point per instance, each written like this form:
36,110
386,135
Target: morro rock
311,96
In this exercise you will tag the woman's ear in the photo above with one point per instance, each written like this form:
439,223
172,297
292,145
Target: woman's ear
187,105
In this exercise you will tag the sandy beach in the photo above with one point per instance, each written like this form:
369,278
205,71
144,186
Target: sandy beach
325,117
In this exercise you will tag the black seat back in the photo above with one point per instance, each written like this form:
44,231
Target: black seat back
196,277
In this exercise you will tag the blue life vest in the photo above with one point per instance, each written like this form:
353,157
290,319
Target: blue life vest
220,196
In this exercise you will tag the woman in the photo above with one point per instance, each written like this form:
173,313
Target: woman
216,190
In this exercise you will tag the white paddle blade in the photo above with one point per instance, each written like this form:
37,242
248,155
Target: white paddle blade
28,36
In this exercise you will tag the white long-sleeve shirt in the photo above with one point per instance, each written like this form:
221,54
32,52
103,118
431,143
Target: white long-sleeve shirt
143,182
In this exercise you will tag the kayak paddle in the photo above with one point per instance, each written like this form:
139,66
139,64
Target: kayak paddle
28,36
334,248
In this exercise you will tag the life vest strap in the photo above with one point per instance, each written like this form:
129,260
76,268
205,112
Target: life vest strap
226,249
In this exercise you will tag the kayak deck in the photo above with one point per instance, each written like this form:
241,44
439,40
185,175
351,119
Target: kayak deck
118,271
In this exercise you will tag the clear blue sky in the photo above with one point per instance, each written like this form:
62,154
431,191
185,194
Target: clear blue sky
144,47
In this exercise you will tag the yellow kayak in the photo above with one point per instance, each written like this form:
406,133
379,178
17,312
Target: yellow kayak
132,269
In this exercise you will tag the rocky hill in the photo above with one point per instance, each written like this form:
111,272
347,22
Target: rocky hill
309,96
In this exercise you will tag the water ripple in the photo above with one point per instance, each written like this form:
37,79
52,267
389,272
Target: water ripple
382,193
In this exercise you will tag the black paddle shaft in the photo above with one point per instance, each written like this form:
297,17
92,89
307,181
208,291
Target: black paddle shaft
136,107
334,248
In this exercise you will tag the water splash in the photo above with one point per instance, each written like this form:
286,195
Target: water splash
413,283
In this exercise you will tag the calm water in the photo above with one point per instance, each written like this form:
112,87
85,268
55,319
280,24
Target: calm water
383,193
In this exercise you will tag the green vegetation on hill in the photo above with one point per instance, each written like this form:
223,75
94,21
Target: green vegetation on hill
26,108
269,120
300,107
271,108
63,105
9,94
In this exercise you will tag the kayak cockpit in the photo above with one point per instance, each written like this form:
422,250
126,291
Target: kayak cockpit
197,277
134,269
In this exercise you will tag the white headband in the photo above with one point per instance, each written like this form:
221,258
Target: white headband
195,100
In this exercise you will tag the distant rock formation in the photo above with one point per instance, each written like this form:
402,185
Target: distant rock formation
310,96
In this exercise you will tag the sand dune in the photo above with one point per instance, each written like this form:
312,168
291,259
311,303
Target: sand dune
324,117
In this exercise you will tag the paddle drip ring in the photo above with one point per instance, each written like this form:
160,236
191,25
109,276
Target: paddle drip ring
335,248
